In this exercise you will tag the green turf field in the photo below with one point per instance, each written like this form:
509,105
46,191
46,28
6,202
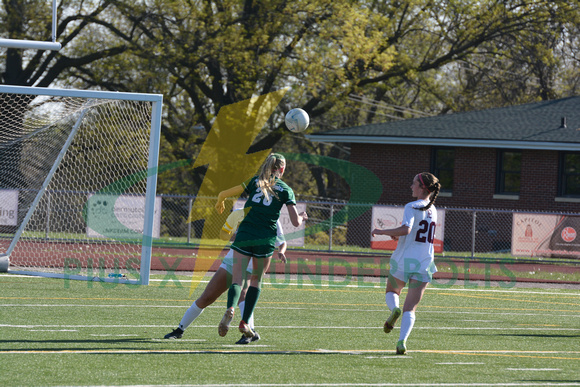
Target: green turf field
55,332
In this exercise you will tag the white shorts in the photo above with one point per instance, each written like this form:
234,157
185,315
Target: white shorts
413,269
228,263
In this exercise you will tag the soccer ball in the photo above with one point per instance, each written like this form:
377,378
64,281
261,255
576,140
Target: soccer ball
297,120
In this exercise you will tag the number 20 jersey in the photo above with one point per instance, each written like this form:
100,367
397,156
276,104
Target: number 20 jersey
418,245
260,220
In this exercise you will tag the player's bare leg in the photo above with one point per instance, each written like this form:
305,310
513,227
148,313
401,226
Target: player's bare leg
414,295
394,287
215,288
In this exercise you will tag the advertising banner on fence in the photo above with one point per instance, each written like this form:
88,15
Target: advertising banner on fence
123,220
294,235
8,207
545,235
385,217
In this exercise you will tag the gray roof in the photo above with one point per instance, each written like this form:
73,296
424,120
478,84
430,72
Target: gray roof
530,126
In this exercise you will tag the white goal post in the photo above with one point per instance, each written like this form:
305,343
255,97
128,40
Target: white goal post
78,176
35,44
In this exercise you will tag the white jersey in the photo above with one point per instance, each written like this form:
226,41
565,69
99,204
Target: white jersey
231,224
414,256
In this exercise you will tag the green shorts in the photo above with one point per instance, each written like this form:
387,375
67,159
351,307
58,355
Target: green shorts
251,246
260,251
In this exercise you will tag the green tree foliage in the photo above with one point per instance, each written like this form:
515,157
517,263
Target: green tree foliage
347,62
84,37
80,24
216,53
466,55
536,63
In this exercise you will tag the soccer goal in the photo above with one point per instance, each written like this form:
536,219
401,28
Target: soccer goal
78,175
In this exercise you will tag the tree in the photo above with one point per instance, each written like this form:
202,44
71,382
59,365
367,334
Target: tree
521,67
475,55
80,23
223,52
31,20
331,54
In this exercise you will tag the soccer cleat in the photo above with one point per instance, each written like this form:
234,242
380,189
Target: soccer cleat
401,347
176,334
224,326
246,330
248,340
390,323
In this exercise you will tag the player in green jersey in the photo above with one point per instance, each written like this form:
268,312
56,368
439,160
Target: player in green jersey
256,236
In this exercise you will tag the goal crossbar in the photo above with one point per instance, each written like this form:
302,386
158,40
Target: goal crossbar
36,44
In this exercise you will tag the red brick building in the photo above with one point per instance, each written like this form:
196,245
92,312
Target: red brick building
523,157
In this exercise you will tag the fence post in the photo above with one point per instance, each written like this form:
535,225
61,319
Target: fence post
190,203
473,232
330,228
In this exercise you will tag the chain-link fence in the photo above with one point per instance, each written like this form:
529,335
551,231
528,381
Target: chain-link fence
346,228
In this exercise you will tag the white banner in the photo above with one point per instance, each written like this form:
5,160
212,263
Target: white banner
122,221
294,235
8,207
545,235
387,217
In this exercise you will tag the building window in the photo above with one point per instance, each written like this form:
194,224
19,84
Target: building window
442,164
509,168
569,179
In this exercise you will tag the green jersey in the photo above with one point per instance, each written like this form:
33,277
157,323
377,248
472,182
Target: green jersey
262,213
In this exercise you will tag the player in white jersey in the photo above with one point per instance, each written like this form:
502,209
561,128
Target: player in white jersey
220,281
413,259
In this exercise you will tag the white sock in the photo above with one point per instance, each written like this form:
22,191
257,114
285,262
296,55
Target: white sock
250,322
392,300
241,305
407,322
190,315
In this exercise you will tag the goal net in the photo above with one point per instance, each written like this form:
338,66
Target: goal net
78,172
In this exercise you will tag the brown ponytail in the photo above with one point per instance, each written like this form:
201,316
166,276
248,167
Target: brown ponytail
431,184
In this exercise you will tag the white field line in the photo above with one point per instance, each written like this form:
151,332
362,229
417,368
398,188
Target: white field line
382,286
238,349
542,328
547,313
357,285
363,384
501,351
367,384
53,330
459,363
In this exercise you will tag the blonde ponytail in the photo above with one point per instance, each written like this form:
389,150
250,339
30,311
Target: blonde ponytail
269,172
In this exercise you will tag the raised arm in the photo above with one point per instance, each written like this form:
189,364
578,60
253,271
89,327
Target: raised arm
234,191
